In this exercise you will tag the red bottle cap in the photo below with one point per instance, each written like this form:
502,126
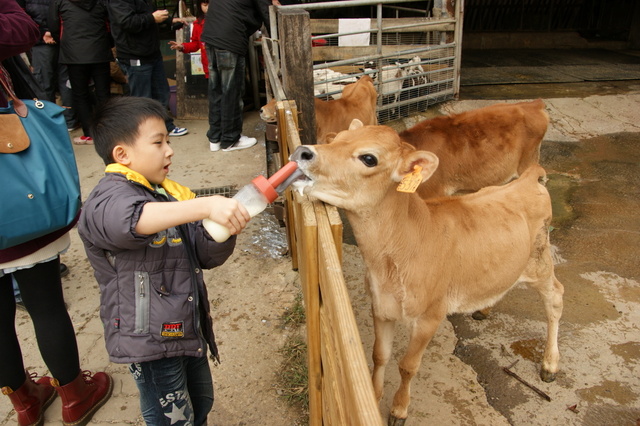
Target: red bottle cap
268,187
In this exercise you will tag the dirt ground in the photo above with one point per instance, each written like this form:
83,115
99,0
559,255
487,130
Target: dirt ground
591,153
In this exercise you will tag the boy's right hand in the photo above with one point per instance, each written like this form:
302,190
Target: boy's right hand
228,212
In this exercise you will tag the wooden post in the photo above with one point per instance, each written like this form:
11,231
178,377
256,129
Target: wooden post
297,68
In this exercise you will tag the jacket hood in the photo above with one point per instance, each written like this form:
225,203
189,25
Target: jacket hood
177,191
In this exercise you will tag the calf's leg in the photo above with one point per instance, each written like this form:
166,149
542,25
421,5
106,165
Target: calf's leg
382,347
422,330
540,275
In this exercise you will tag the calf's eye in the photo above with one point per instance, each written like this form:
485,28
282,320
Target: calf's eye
369,160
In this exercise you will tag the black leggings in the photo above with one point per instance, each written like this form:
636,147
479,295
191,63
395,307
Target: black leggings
41,291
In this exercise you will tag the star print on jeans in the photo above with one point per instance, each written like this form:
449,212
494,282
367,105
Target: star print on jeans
177,414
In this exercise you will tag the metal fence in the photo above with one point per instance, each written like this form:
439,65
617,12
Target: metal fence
412,53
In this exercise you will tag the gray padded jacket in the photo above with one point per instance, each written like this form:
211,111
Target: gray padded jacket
153,299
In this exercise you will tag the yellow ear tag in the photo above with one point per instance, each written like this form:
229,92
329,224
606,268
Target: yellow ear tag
411,181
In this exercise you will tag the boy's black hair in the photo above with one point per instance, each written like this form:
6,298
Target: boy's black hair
118,120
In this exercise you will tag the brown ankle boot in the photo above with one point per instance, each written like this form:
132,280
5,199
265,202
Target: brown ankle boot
31,399
82,397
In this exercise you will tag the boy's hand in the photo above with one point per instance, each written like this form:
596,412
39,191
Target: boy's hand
228,212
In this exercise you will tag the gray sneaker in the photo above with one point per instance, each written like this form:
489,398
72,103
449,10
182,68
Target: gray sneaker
242,143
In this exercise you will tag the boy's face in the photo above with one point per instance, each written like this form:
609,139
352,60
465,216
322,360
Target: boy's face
204,7
151,153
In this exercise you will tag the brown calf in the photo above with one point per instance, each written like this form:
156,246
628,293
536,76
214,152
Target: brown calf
358,101
478,148
429,258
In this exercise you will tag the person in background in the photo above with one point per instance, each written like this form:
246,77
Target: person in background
144,238
35,266
226,33
134,26
52,76
85,48
196,44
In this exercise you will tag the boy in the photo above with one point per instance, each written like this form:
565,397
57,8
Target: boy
148,255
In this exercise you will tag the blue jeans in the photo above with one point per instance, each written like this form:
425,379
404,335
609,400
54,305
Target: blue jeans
174,391
225,90
148,80
53,77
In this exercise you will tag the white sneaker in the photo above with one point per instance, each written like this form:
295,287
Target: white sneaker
214,146
242,143
178,131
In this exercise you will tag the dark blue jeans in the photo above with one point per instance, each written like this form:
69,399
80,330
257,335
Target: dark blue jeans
226,87
53,77
148,80
174,391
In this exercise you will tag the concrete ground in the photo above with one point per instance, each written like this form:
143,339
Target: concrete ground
590,151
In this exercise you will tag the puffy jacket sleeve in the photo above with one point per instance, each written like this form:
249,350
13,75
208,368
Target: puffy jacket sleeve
109,218
210,253
18,32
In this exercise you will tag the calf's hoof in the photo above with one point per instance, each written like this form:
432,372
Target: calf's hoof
479,316
394,421
547,376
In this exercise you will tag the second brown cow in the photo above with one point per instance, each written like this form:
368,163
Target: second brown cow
481,147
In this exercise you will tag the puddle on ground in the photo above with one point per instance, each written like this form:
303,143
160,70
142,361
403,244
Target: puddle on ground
266,237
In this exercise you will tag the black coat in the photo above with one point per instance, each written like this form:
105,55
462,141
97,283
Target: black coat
229,23
134,30
81,29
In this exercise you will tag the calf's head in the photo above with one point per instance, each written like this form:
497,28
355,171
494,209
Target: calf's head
360,166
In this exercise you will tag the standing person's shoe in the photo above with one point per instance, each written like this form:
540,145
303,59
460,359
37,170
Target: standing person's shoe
31,399
214,146
178,131
82,397
64,270
242,143
83,140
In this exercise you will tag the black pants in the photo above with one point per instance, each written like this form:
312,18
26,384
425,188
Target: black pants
41,291
84,97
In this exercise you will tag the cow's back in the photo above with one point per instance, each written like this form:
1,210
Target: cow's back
482,147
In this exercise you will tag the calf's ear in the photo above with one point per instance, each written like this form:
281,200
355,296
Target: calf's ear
355,124
329,138
427,161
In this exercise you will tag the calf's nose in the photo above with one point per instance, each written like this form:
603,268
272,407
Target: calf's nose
302,153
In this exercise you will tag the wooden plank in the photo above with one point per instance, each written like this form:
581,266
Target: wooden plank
288,137
335,53
396,25
297,72
337,303
335,393
306,230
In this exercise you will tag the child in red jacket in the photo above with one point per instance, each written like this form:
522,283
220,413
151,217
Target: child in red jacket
195,44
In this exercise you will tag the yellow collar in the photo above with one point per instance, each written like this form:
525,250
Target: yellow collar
177,191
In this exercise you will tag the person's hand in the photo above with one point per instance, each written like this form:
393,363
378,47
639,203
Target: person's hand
176,46
47,38
179,20
160,15
228,212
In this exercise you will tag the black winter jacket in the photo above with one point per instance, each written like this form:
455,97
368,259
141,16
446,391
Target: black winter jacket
39,12
81,29
134,30
229,23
